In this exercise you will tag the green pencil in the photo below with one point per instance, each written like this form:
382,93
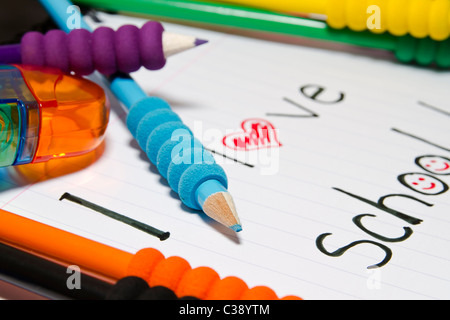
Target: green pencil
406,48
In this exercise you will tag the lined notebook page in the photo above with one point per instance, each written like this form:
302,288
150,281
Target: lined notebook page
345,130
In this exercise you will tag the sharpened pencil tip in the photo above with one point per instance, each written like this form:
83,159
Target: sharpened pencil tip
236,227
199,42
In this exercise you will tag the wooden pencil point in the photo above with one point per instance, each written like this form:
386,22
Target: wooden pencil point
175,43
220,207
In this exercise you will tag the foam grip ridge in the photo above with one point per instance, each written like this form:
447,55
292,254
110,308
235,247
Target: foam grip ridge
80,51
171,147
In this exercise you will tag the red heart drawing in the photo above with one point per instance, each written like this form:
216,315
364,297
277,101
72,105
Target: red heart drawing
256,134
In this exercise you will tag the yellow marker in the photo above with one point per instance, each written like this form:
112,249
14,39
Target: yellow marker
292,6
419,18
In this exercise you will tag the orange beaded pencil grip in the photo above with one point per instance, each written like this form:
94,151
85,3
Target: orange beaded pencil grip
150,264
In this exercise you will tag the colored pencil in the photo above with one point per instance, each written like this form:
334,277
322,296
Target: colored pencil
41,47
64,247
47,277
286,6
111,264
407,49
209,194
35,270
399,17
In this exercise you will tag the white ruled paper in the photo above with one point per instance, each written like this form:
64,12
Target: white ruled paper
344,126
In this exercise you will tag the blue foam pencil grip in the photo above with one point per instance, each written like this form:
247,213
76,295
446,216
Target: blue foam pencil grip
172,148
162,135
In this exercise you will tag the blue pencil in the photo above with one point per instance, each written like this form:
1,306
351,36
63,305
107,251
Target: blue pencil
193,174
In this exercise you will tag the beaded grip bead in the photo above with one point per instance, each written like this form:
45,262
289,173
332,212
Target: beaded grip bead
423,51
104,50
203,283
419,18
172,148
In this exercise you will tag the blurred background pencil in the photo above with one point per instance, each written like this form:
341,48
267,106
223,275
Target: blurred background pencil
399,17
407,49
60,282
201,185
111,264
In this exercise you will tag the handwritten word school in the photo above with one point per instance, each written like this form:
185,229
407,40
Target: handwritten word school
422,183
